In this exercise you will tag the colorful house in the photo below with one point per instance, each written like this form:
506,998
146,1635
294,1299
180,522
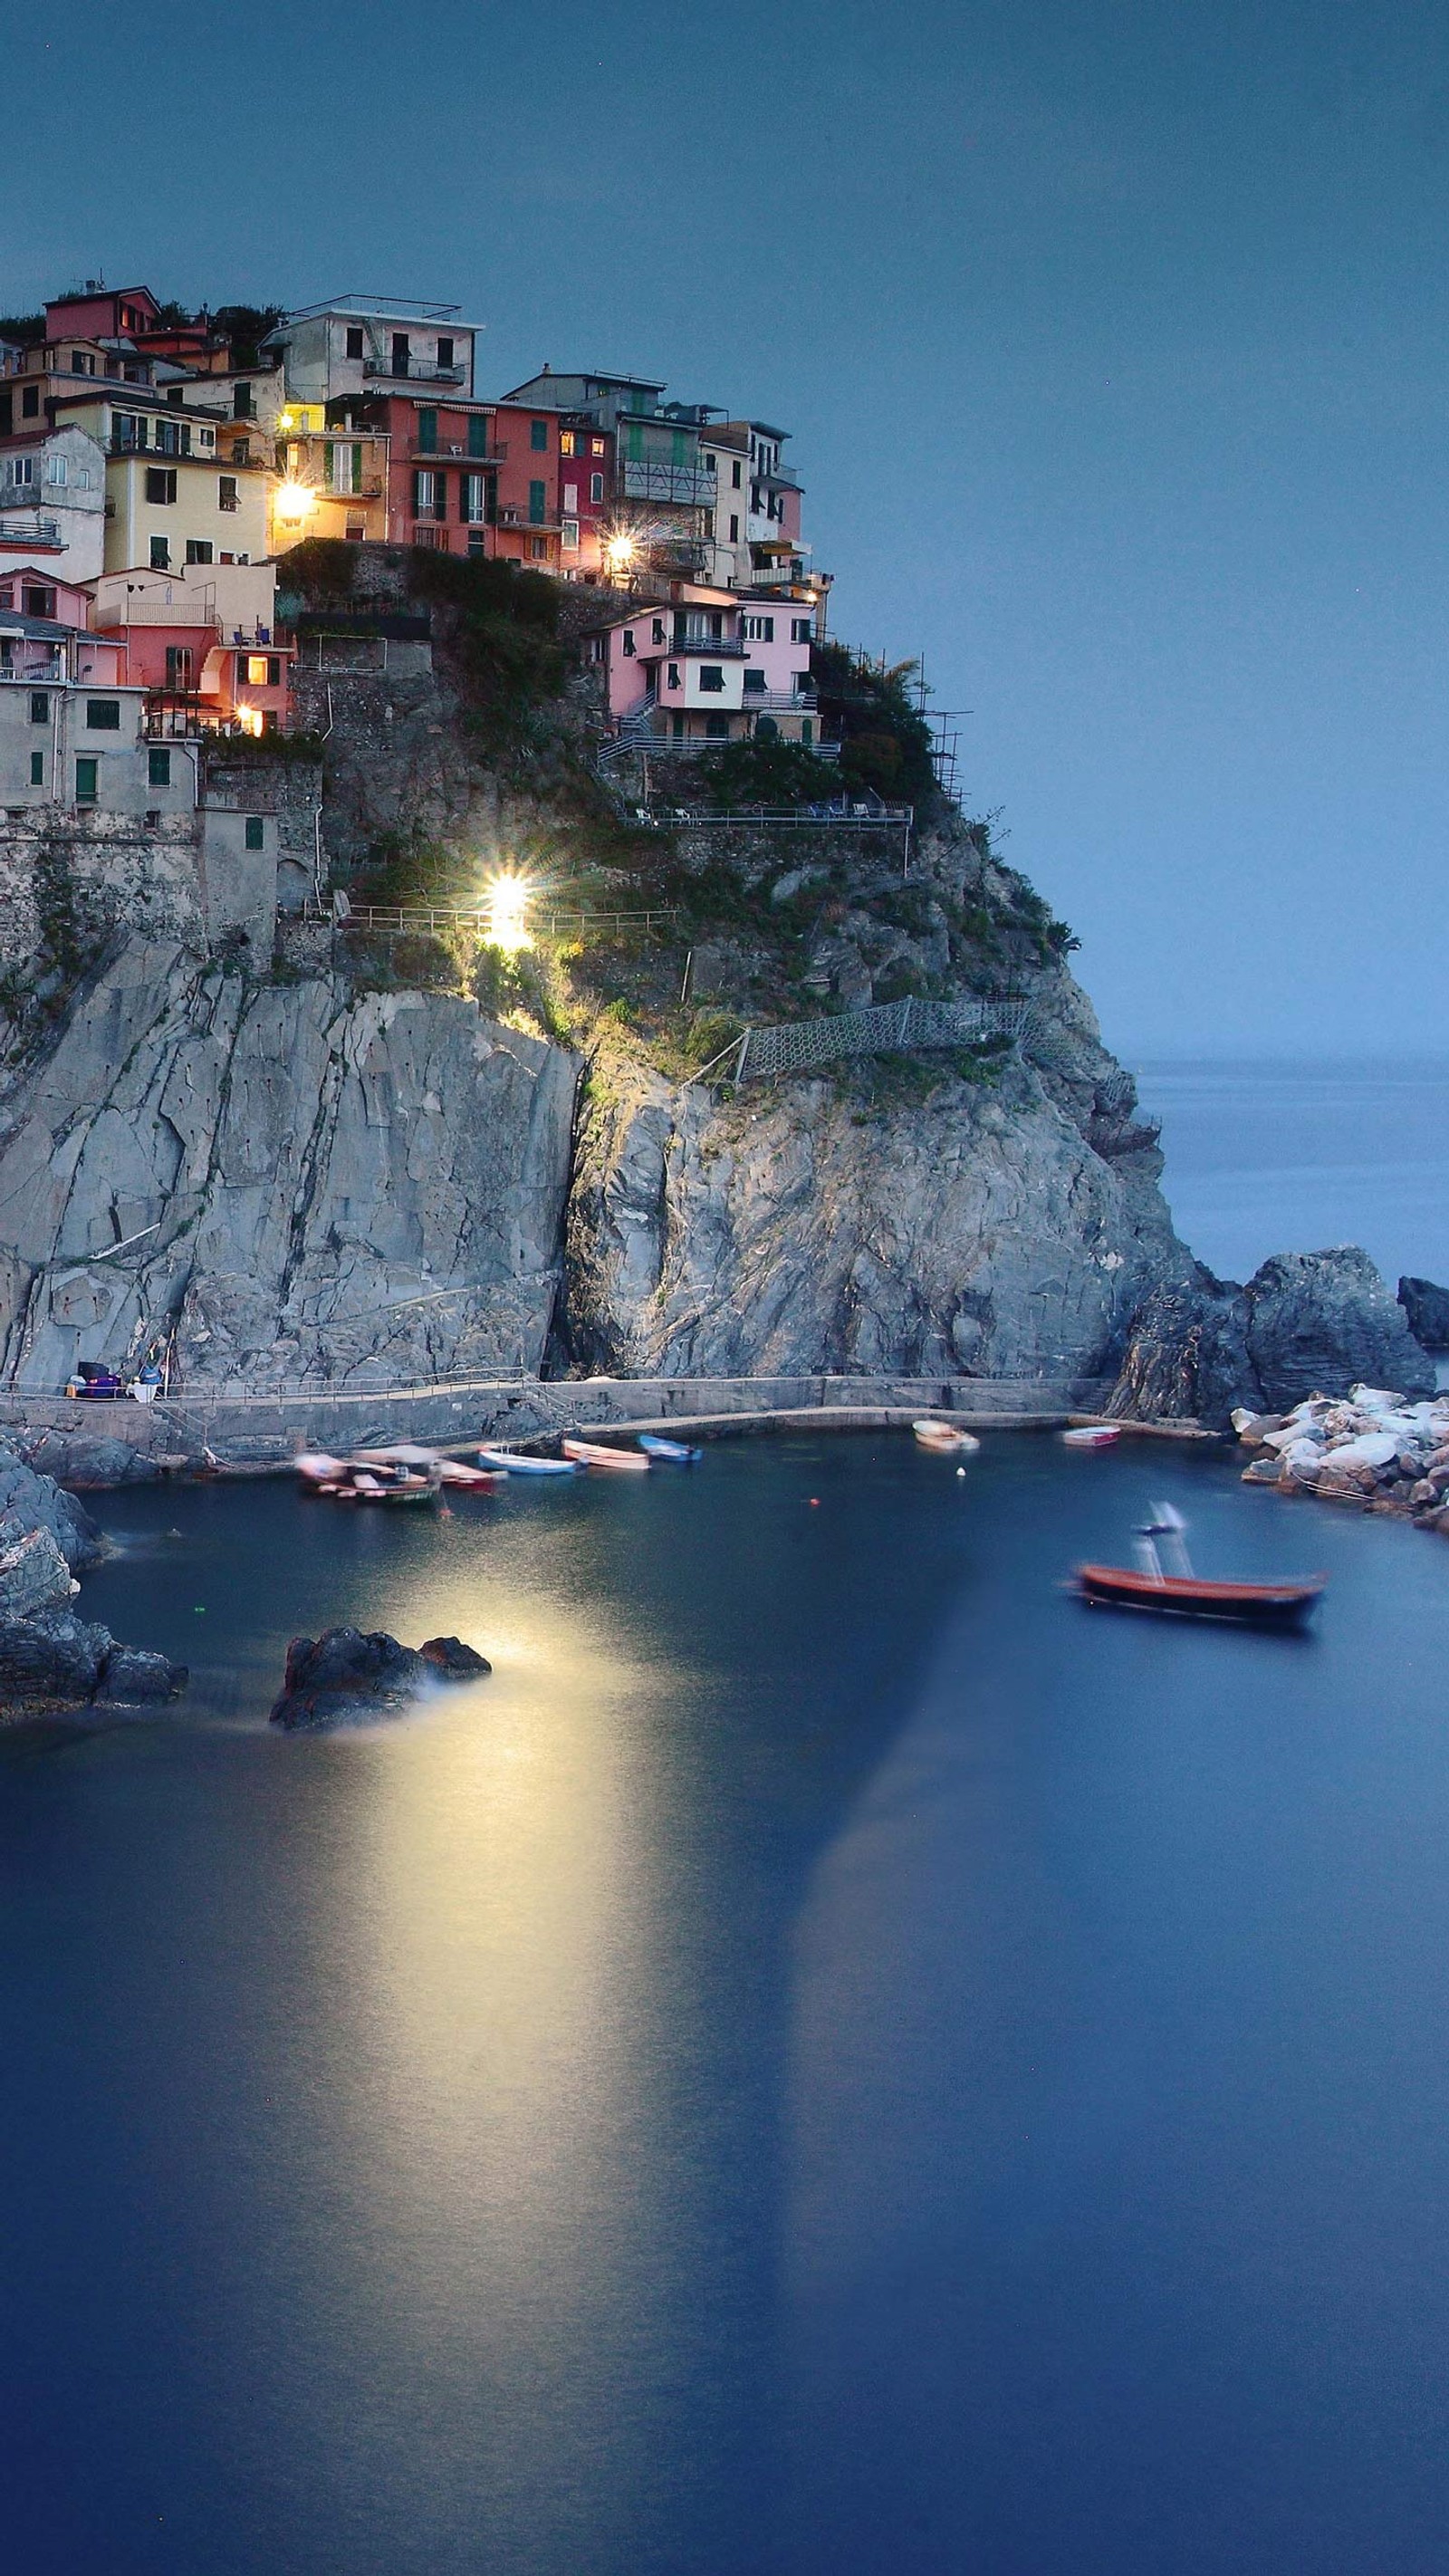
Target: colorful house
708,666
333,475
356,345
53,502
174,496
205,647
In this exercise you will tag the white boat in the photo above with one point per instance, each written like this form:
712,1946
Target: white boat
1092,1435
511,1462
945,1439
595,1453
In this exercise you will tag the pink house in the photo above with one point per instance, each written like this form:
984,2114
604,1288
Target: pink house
32,591
710,666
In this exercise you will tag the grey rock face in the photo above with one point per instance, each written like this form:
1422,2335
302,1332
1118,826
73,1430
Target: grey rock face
1426,1311
55,1660
1306,1323
133,1676
973,1233
30,1502
365,1191
33,1576
76,1458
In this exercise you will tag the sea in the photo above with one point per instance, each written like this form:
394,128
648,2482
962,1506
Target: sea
1295,1157
835,2058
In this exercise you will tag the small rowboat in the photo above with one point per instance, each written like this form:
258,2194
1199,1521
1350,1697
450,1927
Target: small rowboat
1181,1594
1092,1435
945,1439
594,1453
677,1453
511,1462
453,1471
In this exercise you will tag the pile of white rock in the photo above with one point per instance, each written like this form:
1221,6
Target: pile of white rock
1370,1448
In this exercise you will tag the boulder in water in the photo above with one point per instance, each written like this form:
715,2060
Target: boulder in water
1307,1322
345,1677
1426,1308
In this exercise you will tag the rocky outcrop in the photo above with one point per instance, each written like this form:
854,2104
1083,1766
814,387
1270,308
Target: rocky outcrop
1426,1311
346,1678
1306,1323
33,1501
34,1576
974,1232
56,1661
316,1185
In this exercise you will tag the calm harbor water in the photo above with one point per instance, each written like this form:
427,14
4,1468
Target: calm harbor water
835,2058
1279,1157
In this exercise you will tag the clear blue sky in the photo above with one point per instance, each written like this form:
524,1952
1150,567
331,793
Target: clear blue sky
1113,340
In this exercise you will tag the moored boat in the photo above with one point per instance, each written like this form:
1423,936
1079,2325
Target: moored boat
511,1462
1092,1435
596,1453
1174,1591
676,1453
946,1439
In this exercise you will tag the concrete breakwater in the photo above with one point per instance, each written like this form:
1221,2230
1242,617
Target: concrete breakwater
90,1443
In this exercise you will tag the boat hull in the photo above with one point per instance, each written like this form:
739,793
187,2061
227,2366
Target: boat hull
508,1462
591,1453
677,1453
1250,1605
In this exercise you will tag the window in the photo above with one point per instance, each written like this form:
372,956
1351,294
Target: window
736,475
538,550
799,630
401,353
538,435
711,465
103,715
355,532
354,341
7,414
717,728
30,402
734,529
83,478
78,366
711,677
40,706
161,485
754,680
178,666
537,504
428,432
158,768
7,594
673,680
227,496
596,489
166,437
130,433
55,469
39,599
569,536
20,469
658,630
597,447
199,550
256,832
628,643
445,353
475,541
568,442
477,433
430,495
241,403
160,555
472,496
37,769
87,781
571,500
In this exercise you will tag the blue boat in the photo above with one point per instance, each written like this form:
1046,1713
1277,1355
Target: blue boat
676,1451
514,1464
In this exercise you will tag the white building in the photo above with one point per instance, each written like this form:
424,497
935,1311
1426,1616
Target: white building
53,503
356,344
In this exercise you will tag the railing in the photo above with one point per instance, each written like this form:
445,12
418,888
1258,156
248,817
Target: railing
731,646
643,480
804,818
455,453
34,672
890,1028
512,514
369,490
175,716
549,921
411,372
778,702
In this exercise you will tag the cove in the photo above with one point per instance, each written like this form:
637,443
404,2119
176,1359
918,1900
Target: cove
835,2057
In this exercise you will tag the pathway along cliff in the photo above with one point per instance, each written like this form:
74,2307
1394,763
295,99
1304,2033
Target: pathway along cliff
350,1160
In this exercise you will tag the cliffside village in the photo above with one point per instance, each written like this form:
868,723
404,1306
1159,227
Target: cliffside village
153,469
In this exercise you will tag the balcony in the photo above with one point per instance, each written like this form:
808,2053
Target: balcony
456,453
512,514
684,486
174,715
779,479
780,702
47,669
369,489
714,647
382,370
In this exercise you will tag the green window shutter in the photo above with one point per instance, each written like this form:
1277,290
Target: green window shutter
440,496
537,504
158,768
357,468
256,832
329,453
477,434
87,776
428,432
37,769
634,442
538,435
681,448
417,488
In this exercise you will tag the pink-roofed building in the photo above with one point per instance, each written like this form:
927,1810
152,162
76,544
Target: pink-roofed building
710,666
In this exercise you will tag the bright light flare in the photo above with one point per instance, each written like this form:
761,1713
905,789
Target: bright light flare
295,502
619,553
508,900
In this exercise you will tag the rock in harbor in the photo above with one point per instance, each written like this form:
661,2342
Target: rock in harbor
345,1677
1426,1308
30,1501
55,1660
33,1576
1305,1322
88,1461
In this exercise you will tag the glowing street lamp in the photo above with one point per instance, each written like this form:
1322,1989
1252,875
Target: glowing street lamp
295,503
508,898
619,554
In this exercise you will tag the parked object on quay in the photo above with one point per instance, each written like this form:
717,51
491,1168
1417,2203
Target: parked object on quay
1173,1590
597,1453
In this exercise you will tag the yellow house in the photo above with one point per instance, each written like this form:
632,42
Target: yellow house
332,480
173,496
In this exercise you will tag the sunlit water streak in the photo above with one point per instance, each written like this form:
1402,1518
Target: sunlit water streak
834,2058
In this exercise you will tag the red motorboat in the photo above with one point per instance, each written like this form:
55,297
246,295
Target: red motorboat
1176,1592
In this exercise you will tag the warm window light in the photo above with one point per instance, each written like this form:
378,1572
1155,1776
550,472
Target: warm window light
295,502
508,914
256,670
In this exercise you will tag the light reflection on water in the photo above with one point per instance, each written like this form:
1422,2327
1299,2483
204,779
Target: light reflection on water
832,2058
